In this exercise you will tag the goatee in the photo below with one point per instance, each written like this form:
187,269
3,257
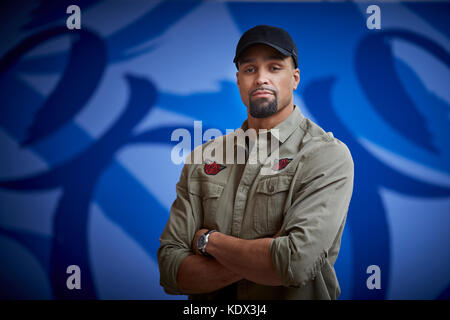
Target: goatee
262,107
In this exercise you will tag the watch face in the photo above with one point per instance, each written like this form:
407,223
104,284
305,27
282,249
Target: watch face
201,242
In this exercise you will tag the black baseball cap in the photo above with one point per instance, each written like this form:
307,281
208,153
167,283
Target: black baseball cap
275,37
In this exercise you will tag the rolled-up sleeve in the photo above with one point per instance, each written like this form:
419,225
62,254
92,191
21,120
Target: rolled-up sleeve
176,238
319,208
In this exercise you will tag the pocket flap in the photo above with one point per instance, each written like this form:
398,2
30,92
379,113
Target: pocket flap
274,185
206,189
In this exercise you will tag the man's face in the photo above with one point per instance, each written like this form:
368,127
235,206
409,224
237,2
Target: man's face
266,80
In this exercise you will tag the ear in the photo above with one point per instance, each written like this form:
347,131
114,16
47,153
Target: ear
237,78
296,78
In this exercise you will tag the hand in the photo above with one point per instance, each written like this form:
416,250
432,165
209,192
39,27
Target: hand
195,240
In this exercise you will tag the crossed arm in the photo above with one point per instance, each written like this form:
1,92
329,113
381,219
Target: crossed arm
310,227
234,259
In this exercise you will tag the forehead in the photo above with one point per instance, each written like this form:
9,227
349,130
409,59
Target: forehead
261,51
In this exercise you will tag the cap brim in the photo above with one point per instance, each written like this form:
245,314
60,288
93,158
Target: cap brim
281,50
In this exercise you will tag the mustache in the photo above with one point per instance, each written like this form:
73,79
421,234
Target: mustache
263,88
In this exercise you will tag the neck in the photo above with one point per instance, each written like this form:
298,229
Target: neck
271,121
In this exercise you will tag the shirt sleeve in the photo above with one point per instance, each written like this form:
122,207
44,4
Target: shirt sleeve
319,208
176,238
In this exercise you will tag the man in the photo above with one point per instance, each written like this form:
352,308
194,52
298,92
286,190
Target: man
235,233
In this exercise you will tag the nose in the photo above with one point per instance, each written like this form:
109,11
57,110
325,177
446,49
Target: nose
261,78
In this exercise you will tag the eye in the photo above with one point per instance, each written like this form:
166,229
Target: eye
249,69
275,68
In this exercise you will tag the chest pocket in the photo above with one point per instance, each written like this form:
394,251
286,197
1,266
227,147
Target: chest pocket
209,194
270,202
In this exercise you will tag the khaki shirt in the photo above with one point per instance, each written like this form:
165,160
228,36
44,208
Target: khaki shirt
306,198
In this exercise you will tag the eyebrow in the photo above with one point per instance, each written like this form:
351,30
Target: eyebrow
247,60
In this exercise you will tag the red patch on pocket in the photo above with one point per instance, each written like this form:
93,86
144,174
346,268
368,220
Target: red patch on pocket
281,164
213,168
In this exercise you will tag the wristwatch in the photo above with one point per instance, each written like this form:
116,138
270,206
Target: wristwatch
203,241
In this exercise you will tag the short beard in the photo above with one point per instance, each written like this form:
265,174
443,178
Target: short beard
263,108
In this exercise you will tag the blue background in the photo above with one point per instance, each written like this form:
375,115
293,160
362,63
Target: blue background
86,118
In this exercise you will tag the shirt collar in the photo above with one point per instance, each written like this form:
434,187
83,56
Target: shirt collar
288,125
285,128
